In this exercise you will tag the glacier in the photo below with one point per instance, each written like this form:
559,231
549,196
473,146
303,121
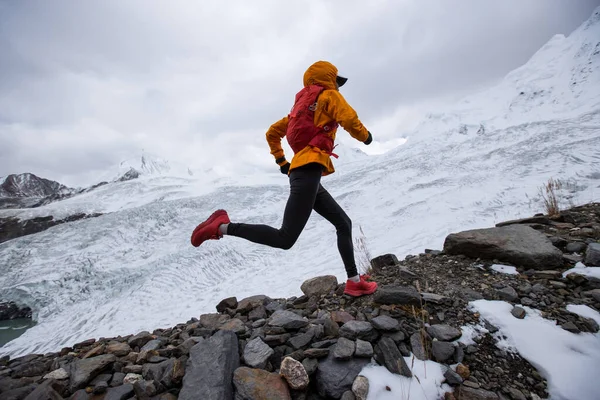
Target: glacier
473,164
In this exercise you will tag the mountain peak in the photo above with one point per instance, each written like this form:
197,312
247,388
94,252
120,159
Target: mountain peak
28,185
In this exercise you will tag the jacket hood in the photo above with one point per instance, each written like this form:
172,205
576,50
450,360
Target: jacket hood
321,73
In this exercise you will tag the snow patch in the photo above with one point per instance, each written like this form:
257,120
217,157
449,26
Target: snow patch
568,361
581,269
584,311
426,383
505,269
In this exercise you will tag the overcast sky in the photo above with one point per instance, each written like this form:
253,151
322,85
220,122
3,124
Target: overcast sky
87,84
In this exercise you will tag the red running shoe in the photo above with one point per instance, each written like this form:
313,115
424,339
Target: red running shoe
209,229
360,288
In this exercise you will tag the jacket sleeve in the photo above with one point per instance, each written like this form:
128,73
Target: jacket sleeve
338,108
274,135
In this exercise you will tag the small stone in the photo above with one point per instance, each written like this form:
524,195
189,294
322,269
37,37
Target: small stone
453,378
463,371
360,387
235,325
507,294
472,384
302,340
341,317
230,302
310,365
433,298
358,330
294,373
385,323
257,353
558,285
316,353
444,332
516,394
419,342
378,263
132,378
571,327
592,255
320,285
57,374
343,349
467,392
100,388
348,395
363,349
442,351
526,301
287,320
576,247
595,294
518,312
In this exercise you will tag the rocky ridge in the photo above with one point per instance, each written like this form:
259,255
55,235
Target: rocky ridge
314,346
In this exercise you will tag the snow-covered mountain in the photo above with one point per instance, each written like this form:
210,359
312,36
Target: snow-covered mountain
28,190
479,162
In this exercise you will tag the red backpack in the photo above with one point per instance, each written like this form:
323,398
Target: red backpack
301,129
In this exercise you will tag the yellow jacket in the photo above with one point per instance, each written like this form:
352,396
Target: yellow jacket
331,105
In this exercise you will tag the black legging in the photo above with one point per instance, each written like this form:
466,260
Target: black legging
306,194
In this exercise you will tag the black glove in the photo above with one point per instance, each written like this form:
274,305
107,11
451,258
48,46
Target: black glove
284,166
369,139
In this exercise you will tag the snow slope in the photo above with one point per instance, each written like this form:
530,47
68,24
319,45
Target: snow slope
133,268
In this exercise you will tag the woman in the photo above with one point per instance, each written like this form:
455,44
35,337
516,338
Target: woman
310,130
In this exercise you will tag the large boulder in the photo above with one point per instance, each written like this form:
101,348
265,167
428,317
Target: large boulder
334,377
287,320
209,370
592,255
515,244
319,285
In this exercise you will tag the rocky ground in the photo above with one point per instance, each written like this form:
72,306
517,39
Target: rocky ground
314,346
12,228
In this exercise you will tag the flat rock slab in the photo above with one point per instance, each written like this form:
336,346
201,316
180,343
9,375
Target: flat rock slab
515,244
258,384
334,377
403,295
287,320
83,371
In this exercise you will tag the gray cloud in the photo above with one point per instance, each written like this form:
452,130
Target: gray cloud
85,84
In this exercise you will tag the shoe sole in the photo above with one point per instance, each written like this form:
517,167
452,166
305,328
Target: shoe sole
209,221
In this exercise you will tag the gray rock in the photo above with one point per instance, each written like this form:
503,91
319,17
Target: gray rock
406,274
403,295
235,325
360,387
21,393
383,261
343,349
334,377
358,330
154,344
117,379
467,393
348,395
83,371
80,395
57,374
310,365
100,378
32,368
246,305
213,321
302,340
45,391
516,394
452,378
140,339
294,373
442,351
319,285
515,244
209,370
118,349
518,312
257,353
387,354
230,302
570,327
101,387
258,313
122,392
287,320
419,343
444,332
595,294
395,336
576,247
526,301
433,298
592,255
363,349
385,323
507,294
